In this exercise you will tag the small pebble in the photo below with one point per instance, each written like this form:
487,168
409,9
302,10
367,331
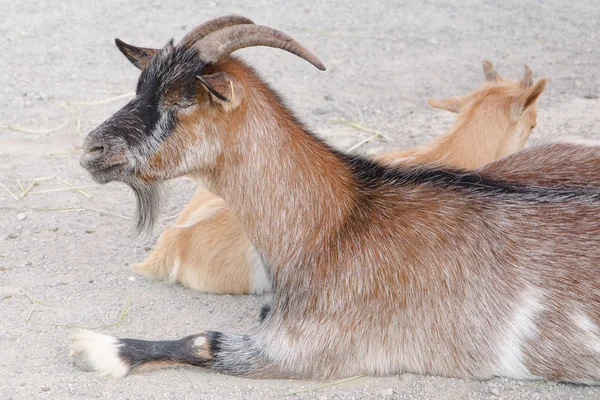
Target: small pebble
131,279
46,389
21,216
495,391
387,392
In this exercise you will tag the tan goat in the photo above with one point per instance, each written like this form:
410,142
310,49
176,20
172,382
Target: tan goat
375,270
207,249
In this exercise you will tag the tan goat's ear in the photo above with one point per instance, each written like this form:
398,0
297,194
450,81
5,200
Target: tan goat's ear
223,88
527,98
138,56
489,70
527,80
452,104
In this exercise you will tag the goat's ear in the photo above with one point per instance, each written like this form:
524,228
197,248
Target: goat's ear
452,104
139,56
489,70
527,98
223,89
527,80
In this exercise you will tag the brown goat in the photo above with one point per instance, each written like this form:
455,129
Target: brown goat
375,270
208,250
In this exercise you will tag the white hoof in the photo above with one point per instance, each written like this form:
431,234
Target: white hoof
92,351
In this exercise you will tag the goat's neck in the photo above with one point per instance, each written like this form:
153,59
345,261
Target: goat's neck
475,139
288,189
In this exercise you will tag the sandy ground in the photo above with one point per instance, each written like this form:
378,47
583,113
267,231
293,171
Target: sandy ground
384,59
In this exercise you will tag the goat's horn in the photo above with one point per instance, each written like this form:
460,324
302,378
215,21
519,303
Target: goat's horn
223,42
490,71
527,78
211,26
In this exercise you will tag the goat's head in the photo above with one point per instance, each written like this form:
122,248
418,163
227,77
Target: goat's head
516,98
185,96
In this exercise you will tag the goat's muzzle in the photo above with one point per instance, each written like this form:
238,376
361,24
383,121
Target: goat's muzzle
103,161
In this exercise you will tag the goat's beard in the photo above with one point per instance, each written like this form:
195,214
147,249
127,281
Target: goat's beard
148,199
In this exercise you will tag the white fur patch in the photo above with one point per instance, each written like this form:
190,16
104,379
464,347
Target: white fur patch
259,278
95,352
521,327
591,330
174,275
200,341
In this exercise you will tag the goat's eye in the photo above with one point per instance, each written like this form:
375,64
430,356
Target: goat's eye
181,105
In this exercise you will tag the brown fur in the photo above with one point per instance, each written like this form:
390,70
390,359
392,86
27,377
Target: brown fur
214,255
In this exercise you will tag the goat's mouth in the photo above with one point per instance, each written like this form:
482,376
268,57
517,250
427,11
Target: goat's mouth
105,173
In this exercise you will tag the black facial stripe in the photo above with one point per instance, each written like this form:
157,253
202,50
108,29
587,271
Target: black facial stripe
135,122
146,110
144,122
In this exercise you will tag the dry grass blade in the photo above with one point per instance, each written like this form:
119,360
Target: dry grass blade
65,106
76,209
84,193
122,315
360,116
62,153
335,383
20,185
14,196
32,299
35,302
70,186
24,192
357,145
26,130
354,125
62,189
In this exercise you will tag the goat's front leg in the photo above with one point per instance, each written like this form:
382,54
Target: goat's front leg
228,353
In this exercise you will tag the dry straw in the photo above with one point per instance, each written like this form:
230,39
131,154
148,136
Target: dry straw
334,383
67,108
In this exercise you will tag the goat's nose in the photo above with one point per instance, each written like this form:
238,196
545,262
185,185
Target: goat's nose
93,147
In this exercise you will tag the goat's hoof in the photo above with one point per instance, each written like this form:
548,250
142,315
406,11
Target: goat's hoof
147,270
92,351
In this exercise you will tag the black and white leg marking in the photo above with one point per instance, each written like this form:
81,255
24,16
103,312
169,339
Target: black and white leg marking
117,357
